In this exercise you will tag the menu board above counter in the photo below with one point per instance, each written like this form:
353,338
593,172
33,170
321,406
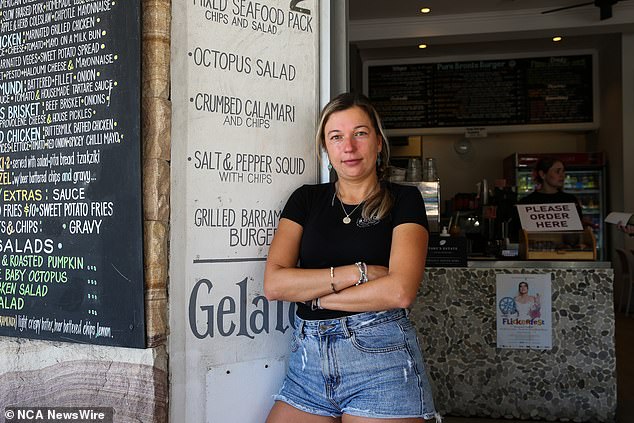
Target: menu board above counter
503,92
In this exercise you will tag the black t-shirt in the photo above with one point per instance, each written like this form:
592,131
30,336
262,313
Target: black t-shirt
327,241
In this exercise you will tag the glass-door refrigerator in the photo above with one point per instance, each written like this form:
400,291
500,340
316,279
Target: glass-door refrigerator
585,178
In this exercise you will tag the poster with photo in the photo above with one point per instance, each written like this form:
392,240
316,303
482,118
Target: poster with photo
523,308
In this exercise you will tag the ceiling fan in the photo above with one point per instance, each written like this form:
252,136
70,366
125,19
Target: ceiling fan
605,7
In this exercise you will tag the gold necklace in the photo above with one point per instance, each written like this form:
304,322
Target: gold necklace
346,220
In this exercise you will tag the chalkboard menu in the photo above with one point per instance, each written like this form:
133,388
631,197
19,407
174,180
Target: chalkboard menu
71,264
525,91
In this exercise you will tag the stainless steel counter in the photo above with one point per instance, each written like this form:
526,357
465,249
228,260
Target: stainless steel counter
537,264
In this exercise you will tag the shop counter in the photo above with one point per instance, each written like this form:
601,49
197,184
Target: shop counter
455,315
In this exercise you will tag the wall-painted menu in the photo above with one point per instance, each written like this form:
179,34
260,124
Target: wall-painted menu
493,92
251,103
71,261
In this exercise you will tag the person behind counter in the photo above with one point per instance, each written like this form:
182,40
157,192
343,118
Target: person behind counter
352,255
549,175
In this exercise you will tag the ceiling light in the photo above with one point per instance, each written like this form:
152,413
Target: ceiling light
425,10
422,46
557,39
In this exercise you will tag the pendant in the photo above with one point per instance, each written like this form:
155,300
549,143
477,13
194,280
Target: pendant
346,220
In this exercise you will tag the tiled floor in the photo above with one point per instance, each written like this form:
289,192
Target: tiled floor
625,377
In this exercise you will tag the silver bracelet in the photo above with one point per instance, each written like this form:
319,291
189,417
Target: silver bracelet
315,304
363,273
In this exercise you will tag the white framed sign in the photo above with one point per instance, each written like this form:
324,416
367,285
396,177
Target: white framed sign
549,217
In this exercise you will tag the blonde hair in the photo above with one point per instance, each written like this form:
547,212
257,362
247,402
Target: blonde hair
380,202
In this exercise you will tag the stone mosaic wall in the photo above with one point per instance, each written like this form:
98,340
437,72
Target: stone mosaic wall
575,381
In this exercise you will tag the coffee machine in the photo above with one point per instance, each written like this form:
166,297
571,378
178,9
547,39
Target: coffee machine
498,212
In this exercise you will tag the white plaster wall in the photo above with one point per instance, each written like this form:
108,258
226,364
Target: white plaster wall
221,326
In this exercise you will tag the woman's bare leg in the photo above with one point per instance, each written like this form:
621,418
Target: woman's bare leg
284,413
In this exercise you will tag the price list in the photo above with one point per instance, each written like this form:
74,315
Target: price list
403,94
544,90
249,102
70,187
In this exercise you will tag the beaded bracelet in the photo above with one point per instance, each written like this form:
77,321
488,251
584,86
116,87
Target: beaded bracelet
363,273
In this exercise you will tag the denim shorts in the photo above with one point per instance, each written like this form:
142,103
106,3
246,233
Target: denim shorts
368,365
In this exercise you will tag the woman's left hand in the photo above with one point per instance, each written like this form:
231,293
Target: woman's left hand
395,287
376,272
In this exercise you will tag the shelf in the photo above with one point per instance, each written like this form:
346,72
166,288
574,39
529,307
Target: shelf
569,191
582,191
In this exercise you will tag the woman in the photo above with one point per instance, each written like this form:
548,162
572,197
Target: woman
352,255
528,306
549,175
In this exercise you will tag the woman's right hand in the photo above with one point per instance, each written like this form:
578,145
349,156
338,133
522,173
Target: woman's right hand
628,229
